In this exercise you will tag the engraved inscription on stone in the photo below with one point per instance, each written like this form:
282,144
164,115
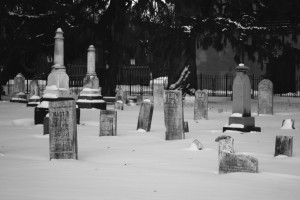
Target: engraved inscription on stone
108,123
62,130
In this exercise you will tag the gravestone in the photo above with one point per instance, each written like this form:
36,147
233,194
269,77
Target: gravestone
90,96
201,105
284,145
63,130
19,89
34,98
231,162
158,92
265,97
145,115
108,123
119,105
173,114
241,105
121,95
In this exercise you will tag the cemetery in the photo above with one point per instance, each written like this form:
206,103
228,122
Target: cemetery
128,133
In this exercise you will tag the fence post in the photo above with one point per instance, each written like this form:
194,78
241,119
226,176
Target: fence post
226,82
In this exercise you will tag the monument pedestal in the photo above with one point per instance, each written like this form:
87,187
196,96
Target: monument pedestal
91,98
41,112
247,122
19,98
34,101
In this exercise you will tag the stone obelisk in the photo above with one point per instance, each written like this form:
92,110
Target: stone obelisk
241,119
90,96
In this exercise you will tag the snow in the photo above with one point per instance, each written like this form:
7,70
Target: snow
50,96
51,87
138,166
235,125
288,124
147,100
90,101
236,115
43,104
90,90
35,97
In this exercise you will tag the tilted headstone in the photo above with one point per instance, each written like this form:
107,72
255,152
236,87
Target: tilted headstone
145,115
34,98
108,123
201,105
19,89
173,114
284,145
265,97
63,130
196,145
241,105
90,96
231,162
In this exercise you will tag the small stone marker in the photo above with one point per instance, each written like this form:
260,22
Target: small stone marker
284,145
186,126
231,162
145,115
265,97
173,114
201,105
119,105
19,89
46,126
196,144
63,130
108,123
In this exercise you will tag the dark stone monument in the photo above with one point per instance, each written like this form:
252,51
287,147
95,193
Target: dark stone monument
19,95
201,105
231,162
173,114
241,104
34,98
90,96
63,130
145,115
265,97
108,123
186,127
46,126
284,145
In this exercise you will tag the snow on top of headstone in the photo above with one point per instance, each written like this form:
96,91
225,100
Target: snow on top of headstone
43,104
90,101
90,90
140,130
236,115
50,96
281,156
119,101
20,93
35,97
235,125
19,75
241,65
288,124
193,147
160,80
147,100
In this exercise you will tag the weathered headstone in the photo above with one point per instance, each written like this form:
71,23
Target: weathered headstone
173,114
34,98
265,97
186,127
196,145
241,107
19,89
284,145
63,130
201,105
231,162
90,96
108,123
119,105
145,115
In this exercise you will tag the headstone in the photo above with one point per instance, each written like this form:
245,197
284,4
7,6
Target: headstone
196,145
19,89
265,97
46,126
241,107
90,96
284,145
186,127
201,105
121,95
158,92
145,115
173,114
108,123
34,98
63,130
119,105
231,162
131,103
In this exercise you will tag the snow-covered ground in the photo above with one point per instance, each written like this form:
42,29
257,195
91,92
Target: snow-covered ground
142,165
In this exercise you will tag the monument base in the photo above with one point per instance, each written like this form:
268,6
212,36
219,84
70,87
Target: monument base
89,102
247,124
19,98
41,112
